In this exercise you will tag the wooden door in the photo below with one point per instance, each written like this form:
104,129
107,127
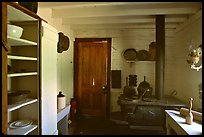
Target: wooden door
92,76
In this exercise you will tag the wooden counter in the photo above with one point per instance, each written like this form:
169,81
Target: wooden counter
176,122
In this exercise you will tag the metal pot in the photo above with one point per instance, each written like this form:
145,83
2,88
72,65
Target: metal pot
129,91
144,89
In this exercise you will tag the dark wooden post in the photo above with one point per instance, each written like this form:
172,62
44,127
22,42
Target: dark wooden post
160,55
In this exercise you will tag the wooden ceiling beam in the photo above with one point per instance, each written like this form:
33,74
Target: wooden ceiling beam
111,20
192,19
118,5
120,26
118,12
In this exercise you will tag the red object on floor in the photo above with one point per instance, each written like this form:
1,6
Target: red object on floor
73,109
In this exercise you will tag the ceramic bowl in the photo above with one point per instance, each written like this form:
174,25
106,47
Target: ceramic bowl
14,31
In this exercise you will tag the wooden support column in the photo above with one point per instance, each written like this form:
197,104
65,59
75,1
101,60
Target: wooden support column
4,70
160,55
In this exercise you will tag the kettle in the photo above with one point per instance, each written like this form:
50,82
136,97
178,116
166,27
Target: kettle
144,89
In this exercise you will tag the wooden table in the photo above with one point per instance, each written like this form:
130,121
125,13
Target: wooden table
176,122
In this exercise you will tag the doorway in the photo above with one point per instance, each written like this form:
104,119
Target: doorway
92,57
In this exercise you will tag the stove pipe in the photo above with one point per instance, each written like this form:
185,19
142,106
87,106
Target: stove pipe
160,56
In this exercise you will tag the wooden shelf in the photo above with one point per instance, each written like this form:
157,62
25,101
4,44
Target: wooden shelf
19,42
21,104
22,131
19,13
134,61
22,74
21,57
15,14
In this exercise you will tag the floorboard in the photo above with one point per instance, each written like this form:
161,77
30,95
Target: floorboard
86,125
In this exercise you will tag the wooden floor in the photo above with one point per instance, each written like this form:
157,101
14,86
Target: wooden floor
99,126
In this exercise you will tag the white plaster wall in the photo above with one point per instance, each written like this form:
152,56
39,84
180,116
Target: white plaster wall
66,73
138,39
65,59
121,40
178,74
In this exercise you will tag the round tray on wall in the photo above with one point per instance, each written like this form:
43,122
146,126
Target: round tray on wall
130,54
143,55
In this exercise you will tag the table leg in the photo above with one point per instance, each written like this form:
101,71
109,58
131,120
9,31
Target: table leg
168,128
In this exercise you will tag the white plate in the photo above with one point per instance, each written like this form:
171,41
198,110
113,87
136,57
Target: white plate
20,123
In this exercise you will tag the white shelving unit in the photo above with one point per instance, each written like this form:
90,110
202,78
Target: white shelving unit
21,104
17,15
19,42
32,61
24,75
21,58
22,131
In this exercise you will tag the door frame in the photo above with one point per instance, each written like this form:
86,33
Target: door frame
77,40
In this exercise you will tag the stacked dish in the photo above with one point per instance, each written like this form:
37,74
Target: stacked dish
20,123
16,96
